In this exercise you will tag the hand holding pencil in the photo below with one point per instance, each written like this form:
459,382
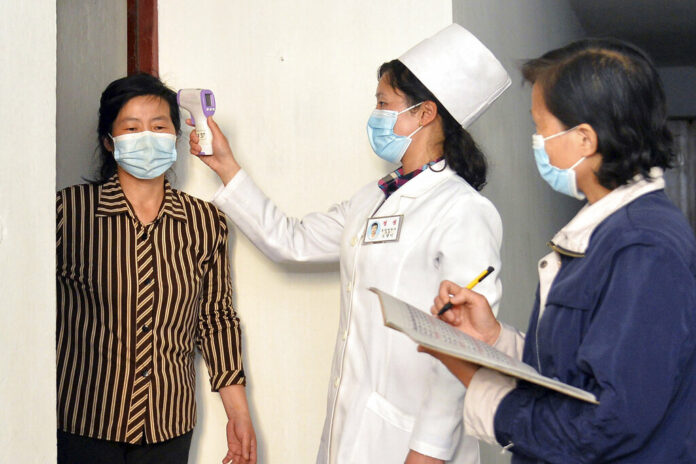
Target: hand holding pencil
471,285
467,310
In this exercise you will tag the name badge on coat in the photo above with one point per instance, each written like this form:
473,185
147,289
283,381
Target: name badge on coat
383,229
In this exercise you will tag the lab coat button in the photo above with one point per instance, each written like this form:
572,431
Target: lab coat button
337,381
354,241
345,335
349,288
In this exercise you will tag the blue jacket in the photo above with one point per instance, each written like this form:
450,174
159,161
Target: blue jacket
619,322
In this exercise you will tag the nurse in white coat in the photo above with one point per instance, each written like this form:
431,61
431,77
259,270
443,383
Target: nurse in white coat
386,402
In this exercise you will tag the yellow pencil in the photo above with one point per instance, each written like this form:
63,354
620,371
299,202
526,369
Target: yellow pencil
480,277
471,285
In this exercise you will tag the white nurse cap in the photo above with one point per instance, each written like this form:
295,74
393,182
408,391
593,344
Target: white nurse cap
459,70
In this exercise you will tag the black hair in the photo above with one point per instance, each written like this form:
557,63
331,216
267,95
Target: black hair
614,87
460,151
114,97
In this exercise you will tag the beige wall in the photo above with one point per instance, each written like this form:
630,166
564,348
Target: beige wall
27,231
294,84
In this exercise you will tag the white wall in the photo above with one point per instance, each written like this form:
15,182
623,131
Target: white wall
27,231
294,84
530,210
91,51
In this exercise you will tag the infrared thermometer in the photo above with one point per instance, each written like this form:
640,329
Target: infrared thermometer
201,104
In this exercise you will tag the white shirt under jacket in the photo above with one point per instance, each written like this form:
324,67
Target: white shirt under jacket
384,397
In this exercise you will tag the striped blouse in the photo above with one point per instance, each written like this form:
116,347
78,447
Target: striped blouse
133,302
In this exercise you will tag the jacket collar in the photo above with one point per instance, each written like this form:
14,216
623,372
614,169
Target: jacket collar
573,239
112,201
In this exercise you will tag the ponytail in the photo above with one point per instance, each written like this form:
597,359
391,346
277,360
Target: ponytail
462,154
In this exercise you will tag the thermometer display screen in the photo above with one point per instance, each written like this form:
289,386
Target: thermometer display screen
207,101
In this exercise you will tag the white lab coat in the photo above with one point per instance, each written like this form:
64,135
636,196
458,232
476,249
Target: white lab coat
384,397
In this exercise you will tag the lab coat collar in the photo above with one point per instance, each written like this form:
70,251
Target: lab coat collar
426,180
573,239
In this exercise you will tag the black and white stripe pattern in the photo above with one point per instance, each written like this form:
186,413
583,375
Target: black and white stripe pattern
133,302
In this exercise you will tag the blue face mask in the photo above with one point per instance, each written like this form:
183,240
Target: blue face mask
561,180
380,131
146,154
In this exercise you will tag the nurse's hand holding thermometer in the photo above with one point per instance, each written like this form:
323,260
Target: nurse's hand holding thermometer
222,160
200,103
207,141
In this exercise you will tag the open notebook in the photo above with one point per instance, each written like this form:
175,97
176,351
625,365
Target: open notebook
437,335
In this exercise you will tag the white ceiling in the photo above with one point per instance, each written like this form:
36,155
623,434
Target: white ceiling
666,29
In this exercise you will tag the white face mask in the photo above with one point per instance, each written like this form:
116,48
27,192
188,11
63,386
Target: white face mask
146,154
380,131
561,180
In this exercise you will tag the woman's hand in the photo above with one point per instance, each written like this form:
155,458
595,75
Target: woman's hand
241,438
470,312
222,160
415,457
461,369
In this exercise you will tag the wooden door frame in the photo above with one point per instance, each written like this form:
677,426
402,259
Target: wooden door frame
143,45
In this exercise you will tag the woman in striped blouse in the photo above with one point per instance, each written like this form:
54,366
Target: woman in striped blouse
143,278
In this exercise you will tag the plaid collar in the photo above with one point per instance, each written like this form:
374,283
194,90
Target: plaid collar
112,201
396,179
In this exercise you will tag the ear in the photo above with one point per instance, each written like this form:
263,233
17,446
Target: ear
108,144
588,140
428,112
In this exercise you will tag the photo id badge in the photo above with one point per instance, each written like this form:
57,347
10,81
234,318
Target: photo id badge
383,229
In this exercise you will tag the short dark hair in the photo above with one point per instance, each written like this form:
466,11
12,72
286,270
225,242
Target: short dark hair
114,97
461,152
614,87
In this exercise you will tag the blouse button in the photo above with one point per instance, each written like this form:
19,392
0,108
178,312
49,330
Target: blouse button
543,264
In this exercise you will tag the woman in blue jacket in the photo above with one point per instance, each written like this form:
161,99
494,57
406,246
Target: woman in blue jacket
615,311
